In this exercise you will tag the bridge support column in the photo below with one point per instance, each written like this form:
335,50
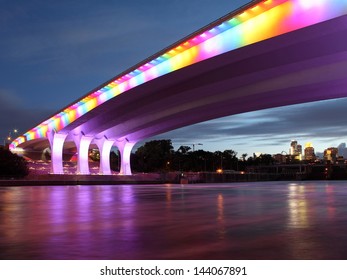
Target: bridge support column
56,141
104,146
124,147
83,142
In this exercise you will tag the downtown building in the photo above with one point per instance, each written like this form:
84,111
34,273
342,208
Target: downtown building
331,154
309,154
295,150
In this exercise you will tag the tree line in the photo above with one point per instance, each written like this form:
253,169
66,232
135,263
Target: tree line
154,156
12,165
160,156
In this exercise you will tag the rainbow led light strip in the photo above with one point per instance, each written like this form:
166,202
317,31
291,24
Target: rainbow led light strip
259,20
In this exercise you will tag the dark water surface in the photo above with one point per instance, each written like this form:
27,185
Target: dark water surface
266,220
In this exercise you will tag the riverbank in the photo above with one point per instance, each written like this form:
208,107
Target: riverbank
39,174
147,178
53,179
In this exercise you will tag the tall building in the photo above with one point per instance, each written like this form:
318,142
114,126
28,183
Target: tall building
293,147
331,154
295,150
309,152
299,149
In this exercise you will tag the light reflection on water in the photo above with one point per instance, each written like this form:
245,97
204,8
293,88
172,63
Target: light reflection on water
267,220
297,206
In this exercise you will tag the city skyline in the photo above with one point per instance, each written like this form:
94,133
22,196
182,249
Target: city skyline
52,60
281,124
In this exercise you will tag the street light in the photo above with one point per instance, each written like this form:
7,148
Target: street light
9,137
196,144
192,145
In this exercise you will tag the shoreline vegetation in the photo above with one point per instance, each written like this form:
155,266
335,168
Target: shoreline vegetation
167,178
157,163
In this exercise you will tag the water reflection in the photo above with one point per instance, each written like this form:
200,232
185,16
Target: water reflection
276,220
297,206
220,217
168,196
330,191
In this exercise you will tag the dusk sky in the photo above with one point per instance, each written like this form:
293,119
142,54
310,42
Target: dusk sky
54,52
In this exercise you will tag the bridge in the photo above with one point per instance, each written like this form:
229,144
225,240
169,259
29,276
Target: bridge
266,54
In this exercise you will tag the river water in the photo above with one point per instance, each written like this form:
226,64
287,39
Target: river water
262,220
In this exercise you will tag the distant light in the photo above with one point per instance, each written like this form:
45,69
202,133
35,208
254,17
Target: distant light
308,145
18,150
219,171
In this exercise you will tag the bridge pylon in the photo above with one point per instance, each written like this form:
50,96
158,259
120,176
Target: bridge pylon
125,146
56,142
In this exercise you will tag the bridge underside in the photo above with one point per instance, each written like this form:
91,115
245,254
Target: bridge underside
302,66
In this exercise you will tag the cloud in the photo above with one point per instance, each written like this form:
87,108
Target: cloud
322,121
14,114
101,40
9,100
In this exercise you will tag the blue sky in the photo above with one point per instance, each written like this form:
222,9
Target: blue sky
54,52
